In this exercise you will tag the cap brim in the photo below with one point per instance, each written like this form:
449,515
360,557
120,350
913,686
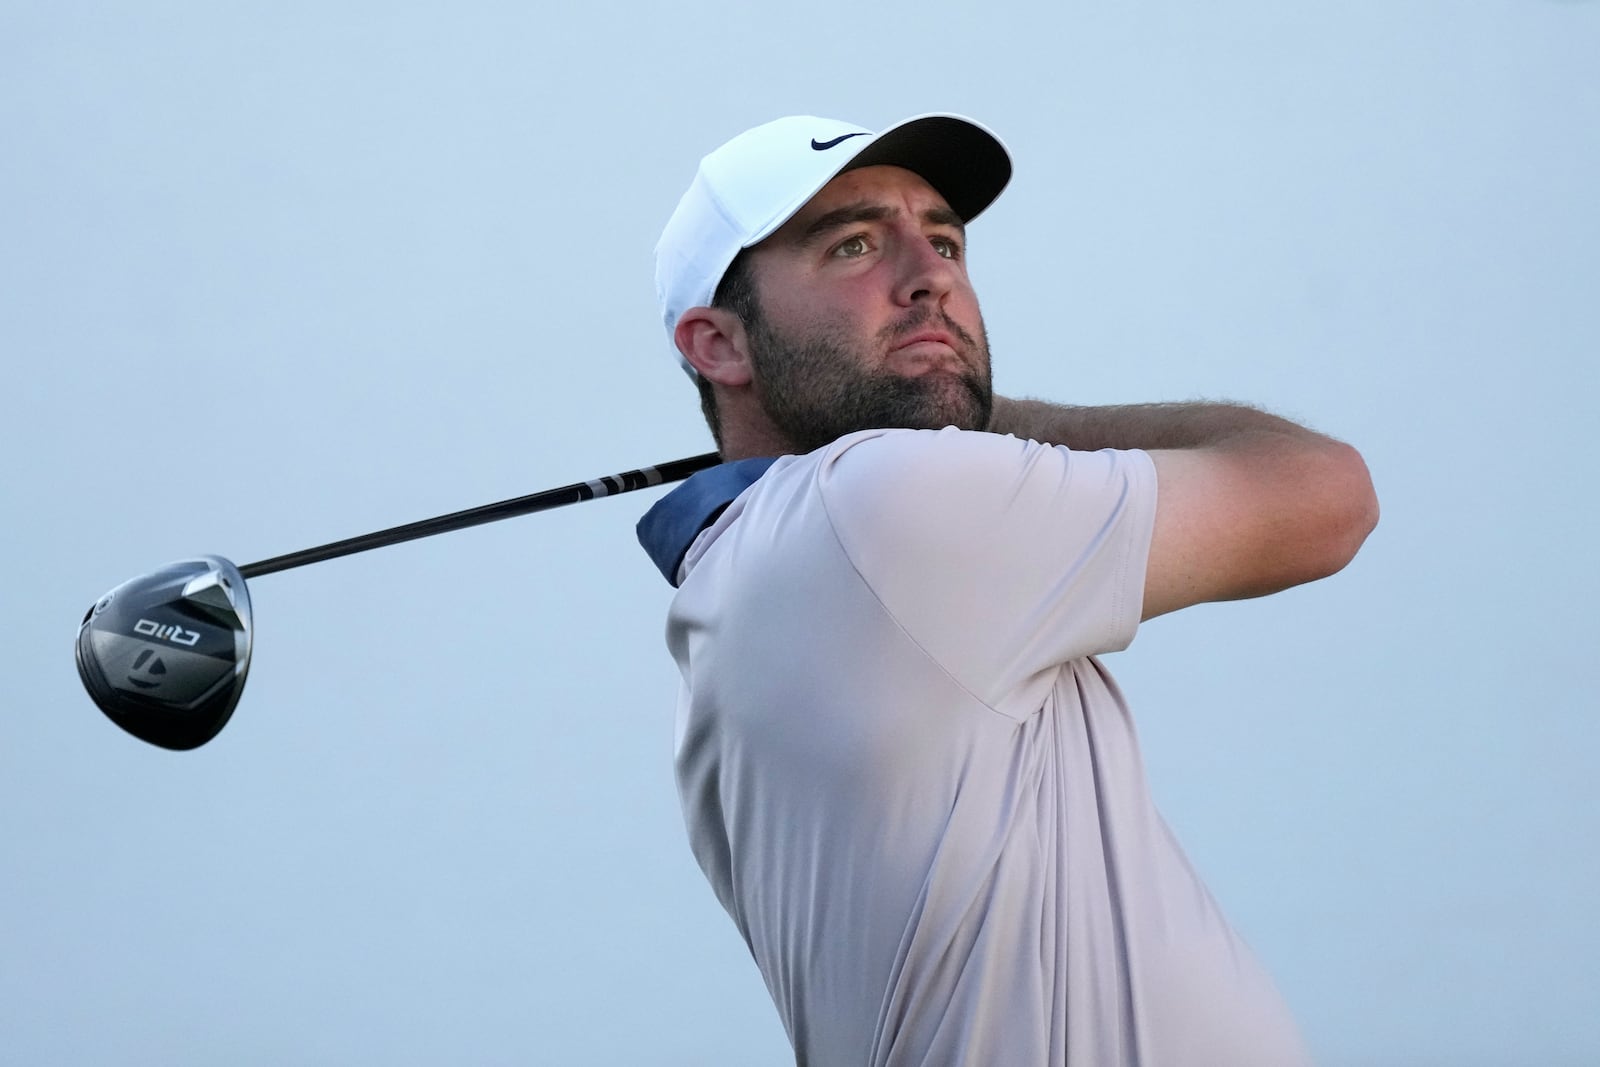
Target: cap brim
965,162
958,157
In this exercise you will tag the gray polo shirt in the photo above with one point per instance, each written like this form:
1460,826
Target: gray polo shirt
910,780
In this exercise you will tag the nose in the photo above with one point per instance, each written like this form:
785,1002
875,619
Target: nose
925,275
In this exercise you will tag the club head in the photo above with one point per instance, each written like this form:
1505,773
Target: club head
165,655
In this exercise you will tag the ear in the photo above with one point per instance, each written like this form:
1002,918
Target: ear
714,342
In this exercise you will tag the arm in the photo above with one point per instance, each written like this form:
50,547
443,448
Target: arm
1248,503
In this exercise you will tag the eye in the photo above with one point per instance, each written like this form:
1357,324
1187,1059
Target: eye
948,247
852,247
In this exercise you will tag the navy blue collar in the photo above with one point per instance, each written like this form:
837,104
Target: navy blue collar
670,527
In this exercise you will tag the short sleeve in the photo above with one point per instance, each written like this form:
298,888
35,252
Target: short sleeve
1000,558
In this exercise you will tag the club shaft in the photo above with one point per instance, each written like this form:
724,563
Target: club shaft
610,485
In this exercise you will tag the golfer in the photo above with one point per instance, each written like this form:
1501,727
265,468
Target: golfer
903,766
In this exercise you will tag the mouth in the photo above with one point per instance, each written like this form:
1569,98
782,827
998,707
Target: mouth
926,341
925,338
928,352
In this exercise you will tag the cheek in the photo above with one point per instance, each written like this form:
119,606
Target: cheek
962,304
829,310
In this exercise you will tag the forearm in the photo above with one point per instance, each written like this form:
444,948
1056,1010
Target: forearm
1249,503
1146,426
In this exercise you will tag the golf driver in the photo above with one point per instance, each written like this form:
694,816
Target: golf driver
165,655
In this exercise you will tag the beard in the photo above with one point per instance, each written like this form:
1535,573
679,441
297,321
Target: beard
817,388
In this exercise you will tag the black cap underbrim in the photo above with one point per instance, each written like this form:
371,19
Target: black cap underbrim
963,161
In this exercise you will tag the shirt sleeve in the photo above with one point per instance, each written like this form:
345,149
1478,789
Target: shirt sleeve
1002,559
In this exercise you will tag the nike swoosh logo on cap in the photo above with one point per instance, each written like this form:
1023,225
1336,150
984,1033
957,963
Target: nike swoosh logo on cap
823,146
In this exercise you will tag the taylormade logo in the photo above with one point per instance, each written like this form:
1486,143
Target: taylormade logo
176,634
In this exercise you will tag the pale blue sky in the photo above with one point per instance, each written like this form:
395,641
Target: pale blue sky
275,274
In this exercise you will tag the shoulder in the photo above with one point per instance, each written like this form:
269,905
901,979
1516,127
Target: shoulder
1047,543
892,471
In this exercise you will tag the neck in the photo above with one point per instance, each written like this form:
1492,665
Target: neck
746,430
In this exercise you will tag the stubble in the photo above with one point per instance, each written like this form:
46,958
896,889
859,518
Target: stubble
815,389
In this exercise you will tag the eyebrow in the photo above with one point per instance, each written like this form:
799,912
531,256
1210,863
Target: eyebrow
866,211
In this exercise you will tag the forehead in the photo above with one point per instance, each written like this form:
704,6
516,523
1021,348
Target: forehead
881,186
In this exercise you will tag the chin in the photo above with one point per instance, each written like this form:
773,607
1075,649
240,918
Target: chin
955,400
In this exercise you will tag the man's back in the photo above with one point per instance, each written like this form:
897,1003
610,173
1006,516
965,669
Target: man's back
912,785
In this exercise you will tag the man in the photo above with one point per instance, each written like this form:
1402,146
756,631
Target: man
904,770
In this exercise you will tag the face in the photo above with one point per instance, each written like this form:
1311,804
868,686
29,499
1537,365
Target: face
867,318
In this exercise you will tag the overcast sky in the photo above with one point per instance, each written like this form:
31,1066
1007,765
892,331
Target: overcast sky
276,274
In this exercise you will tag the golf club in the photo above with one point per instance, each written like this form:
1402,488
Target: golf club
165,655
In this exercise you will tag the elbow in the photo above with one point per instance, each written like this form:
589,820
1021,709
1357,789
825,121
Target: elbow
1351,508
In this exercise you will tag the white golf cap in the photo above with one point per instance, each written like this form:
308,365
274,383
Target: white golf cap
752,185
